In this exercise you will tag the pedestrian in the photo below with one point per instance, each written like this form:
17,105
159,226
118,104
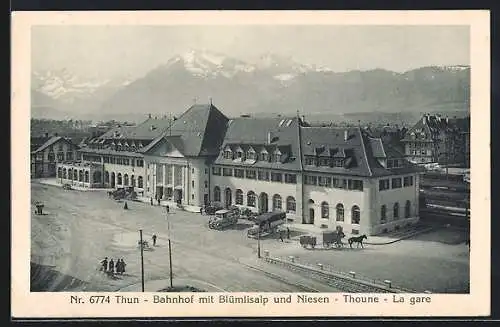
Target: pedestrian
111,266
123,266
201,210
118,266
125,207
288,233
104,264
158,200
168,209
154,239
281,235
151,200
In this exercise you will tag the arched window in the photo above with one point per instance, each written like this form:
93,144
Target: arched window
396,211
239,197
290,204
64,173
86,176
59,172
119,179
355,215
325,210
340,212
70,173
383,214
276,202
251,199
75,174
80,176
106,177
132,181
216,194
139,182
408,209
125,177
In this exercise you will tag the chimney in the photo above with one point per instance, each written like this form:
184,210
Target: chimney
345,135
269,138
424,119
303,118
46,134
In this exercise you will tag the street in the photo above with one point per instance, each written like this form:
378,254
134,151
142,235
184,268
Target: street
78,229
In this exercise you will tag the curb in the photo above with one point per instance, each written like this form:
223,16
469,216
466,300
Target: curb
401,238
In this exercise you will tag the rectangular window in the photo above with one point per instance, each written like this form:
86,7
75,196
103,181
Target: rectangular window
227,172
357,185
325,181
310,180
389,163
338,163
408,181
263,175
192,196
216,171
264,156
69,156
383,185
239,173
206,171
396,182
192,184
250,173
228,155
276,177
290,178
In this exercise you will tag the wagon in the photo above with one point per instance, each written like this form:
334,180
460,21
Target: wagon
332,238
308,240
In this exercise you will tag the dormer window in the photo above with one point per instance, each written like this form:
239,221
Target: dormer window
310,161
277,156
239,154
228,154
338,163
264,156
324,162
250,154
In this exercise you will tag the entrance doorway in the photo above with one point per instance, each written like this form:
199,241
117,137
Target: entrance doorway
159,192
205,199
263,202
311,216
178,196
228,197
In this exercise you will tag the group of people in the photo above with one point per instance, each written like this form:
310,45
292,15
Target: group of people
112,266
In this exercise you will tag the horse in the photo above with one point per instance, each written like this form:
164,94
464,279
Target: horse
358,239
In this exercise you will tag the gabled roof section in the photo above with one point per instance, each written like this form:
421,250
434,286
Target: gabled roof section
197,132
256,132
377,147
51,141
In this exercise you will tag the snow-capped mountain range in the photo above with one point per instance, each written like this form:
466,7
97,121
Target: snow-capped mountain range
271,81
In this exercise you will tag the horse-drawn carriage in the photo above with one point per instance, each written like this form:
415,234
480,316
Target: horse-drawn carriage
329,238
123,193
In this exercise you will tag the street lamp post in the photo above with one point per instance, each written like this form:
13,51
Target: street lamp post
169,252
142,259
258,242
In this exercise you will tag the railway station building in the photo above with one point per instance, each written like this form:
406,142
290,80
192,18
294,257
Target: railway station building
322,176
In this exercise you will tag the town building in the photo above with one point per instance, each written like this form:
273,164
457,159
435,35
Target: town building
321,176
113,159
46,157
436,139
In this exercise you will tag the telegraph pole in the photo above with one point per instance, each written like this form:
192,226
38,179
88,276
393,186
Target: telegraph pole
142,260
170,252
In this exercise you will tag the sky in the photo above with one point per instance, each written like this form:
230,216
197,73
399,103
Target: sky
131,51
